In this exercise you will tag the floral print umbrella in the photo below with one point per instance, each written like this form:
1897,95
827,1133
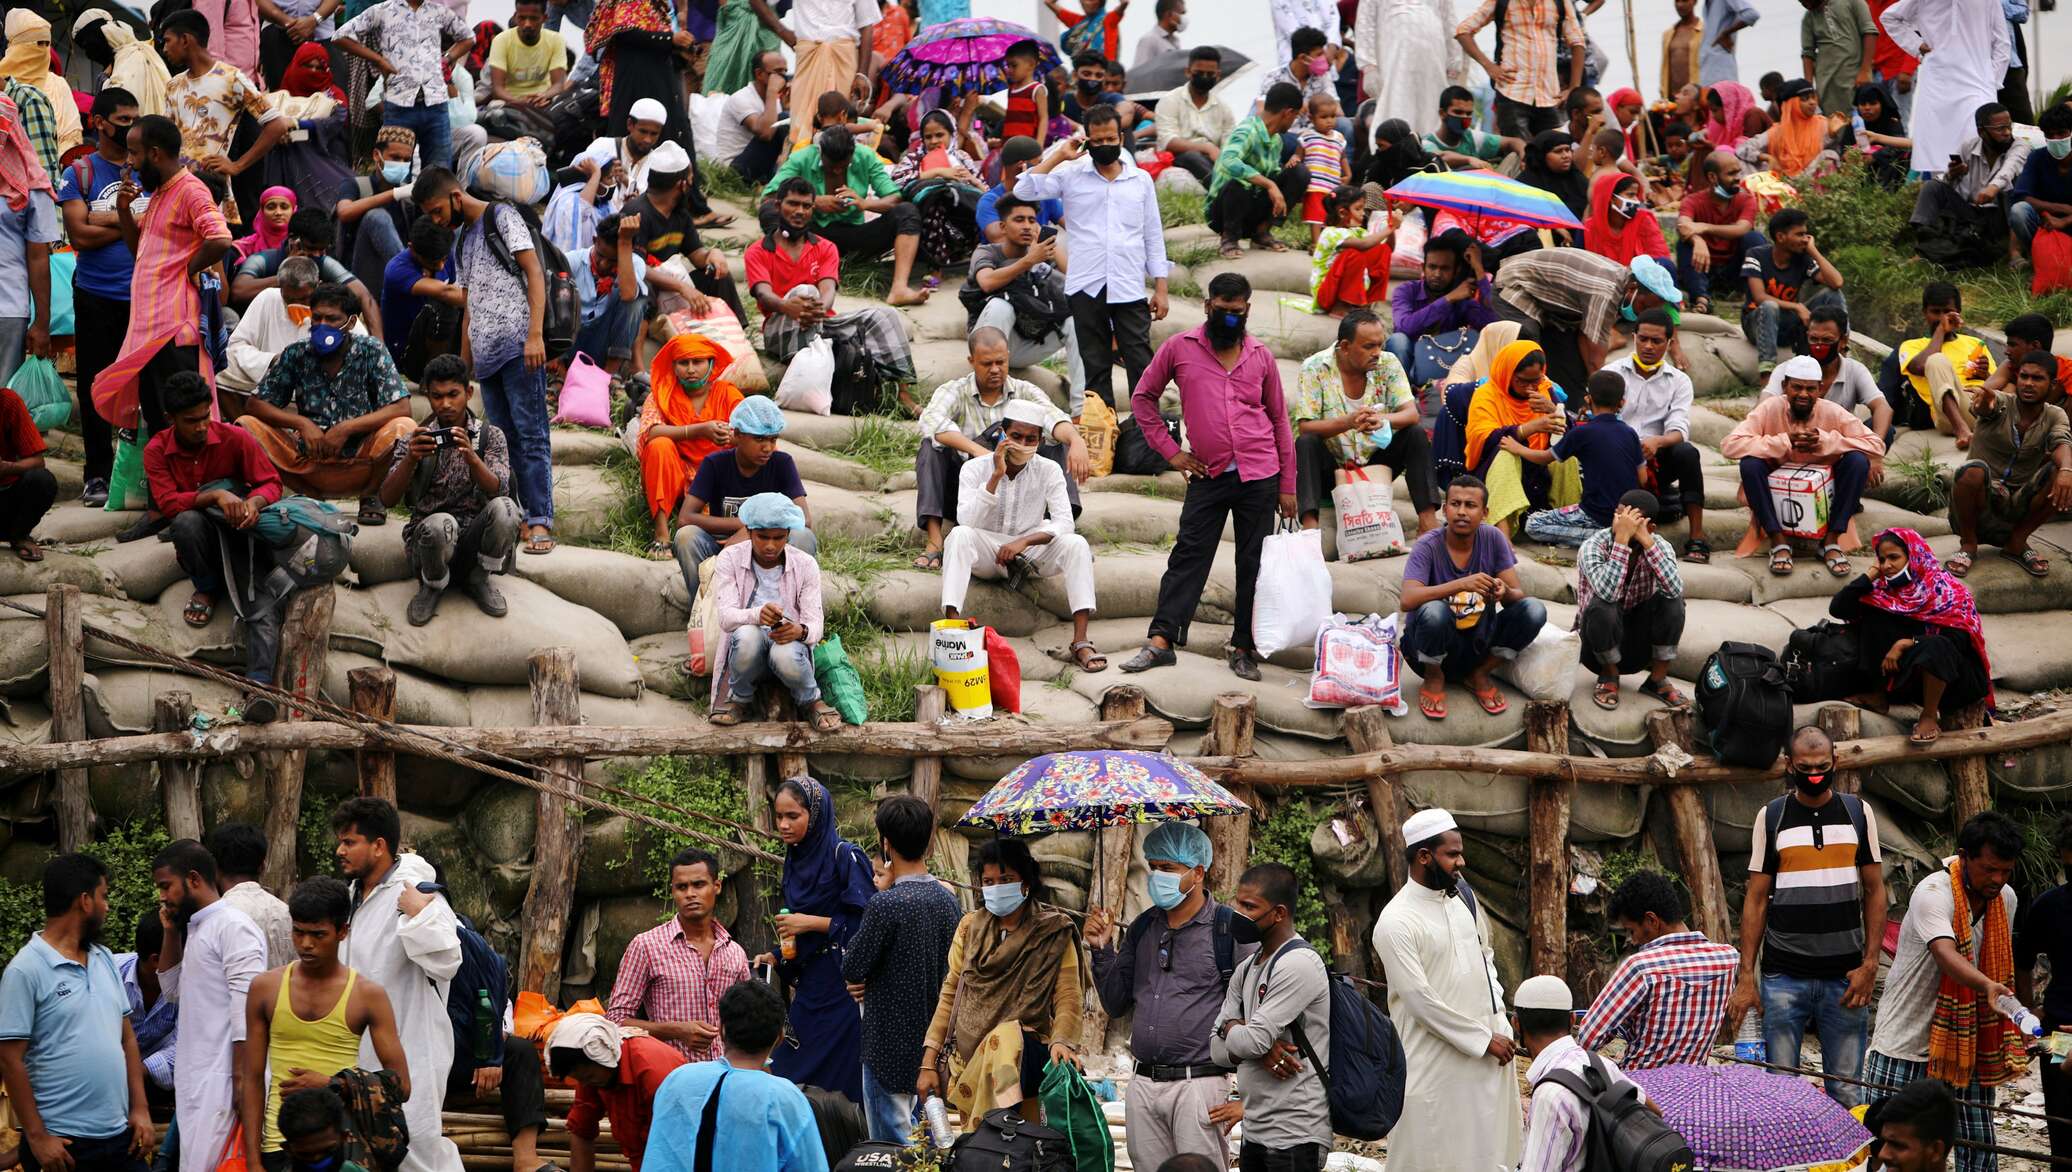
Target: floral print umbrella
1743,1117
1089,790
960,56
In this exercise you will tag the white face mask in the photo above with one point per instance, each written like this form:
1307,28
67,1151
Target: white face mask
1180,26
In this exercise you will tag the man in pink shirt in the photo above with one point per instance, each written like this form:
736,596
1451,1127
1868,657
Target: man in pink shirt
1801,427
1239,464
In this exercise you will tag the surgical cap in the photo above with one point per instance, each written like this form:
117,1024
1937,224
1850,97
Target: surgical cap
1178,842
757,415
1804,367
770,510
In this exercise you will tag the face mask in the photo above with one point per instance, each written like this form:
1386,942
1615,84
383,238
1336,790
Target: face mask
1201,83
1105,154
1901,580
1003,898
1245,930
325,339
1626,312
2058,147
1811,784
1018,454
1821,351
1646,367
1226,327
1726,190
1179,26
1625,206
1319,66
1089,86
298,314
1455,127
327,1164
396,173
789,232
1166,891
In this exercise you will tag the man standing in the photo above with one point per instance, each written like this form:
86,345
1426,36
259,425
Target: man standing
1988,163
1172,968
1801,427
101,274
207,96
1354,407
1239,463
26,234
455,474
1667,998
211,953
825,37
412,68
1108,197
1192,122
1973,47
1954,960
1561,1122
1630,603
1723,20
68,1054
671,976
1460,1103
240,853
154,1019
1817,928
1658,409
405,938
762,1122
1530,90
1837,40
616,1080
1277,1007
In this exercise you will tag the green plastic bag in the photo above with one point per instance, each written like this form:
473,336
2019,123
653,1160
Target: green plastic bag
840,683
126,488
37,382
1070,1106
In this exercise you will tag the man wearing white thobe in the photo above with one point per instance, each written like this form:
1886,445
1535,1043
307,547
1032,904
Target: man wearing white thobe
206,974
1460,1101
1964,47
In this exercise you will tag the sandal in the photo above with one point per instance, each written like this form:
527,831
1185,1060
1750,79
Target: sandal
1093,662
1664,691
1701,304
659,551
541,542
1268,243
713,220
1230,250
1780,561
1433,707
1922,740
1959,564
2028,559
826,717
931,560
1605,694
1837,564
371,512
200,609
1148,657
725,715
1492,701
27,549
1697,551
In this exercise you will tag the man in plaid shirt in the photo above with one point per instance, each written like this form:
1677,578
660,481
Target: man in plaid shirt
1667,999
1630,602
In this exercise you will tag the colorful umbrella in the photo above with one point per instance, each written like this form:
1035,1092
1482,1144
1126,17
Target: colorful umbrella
960,56
1089,790
1485,193
1742,1117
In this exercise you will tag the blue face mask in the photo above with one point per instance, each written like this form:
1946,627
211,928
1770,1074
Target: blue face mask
396,173
327,1164
1003,898
1166,891
325,339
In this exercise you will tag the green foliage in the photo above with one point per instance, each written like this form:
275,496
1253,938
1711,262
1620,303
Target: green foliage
889,679
704,784
1619,866
316,847
1177,209
884,445
126,851
1922,485
21,912
720,181
1284,838
869,280
862,561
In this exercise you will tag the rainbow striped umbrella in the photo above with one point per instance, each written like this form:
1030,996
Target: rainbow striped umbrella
1485,193
960,56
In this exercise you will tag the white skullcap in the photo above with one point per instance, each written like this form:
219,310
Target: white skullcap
1427,824
668,159
1024,411
1805,366
1544,992
648,110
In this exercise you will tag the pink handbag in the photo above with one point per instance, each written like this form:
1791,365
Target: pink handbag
586,393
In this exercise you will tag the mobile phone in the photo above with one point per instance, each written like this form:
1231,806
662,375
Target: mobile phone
444,437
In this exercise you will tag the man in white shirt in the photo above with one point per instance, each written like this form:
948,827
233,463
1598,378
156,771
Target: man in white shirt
1289,15
1013,508
1988,163
276,319
625,159
1110,199
206,964
1843,379
1658,409
752,122
1164,36
1559,1120
240,853
1191,121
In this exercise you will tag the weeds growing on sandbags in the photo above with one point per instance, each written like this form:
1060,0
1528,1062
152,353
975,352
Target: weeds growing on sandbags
127,851
1919,483
1283,837
705,784
885,446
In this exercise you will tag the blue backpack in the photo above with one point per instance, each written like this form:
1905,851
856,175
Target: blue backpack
1364,1083
478,1029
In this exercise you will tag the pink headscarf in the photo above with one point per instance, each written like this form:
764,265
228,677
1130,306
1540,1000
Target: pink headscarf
1931,596
1726,132
21,171
264,235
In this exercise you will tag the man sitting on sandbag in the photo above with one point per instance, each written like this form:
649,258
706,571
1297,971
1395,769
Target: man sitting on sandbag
963,419
2020,473
1630,602
1802,427
1017,286
1353,406
1014,517
709,519
455,474
767,596
275,320
1455,581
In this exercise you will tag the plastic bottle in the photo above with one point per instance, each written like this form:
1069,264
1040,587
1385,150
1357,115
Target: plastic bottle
787,945
2023,1020
938,1119
486,1025
1748,1044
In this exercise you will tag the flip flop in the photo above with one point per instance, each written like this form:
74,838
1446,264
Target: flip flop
1433,707
198,612
1665,692
539,543
2035,564
659,551
27,550
1959,564
1919,741
1492,701
1605,694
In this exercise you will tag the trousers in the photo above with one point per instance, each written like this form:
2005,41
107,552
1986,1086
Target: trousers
1209,504
968,551
1769,324
94,349
1852,472
1168,1119
752,658
1431,638
483,544
1631,640
1408,455
1022,351
23,503
693,545
1105,331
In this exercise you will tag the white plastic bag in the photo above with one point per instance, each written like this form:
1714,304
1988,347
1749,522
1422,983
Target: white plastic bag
1367,523
1294,590
1358,663
957,652
809,382
1546,669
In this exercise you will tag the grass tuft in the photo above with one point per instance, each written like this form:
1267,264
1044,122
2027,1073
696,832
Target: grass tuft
1177,209
862,562
882,444
627,527
889,680
723,182
1920,483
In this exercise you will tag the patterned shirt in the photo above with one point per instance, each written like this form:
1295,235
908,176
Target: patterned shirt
33,107
207,107
1666,1000
409,34
1320,394
366,383
1324,154
1311,84
955,406
449,487
663,978
1251,151
1570,288
1611,572
900,954
1528,46
499,310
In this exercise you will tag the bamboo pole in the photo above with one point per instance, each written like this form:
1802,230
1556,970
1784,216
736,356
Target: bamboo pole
61,629
558,842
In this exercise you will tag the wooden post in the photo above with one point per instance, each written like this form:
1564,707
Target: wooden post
1116,845
777,706
1547,811
1231,721
373,691
61,630
1367,731
1842,722
752,923
1971,794
558,842
1697,857
930,703
179,780
298,669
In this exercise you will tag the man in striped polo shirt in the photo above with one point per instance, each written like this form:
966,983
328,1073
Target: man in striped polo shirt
1815,913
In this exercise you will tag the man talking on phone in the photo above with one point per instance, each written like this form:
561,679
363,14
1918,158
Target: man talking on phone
454,472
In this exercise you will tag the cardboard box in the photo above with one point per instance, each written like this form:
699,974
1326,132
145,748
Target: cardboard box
1801,494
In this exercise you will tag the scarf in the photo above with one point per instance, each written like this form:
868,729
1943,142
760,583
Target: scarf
1967,1038
1931,596
21,171
1726,131
485,31
1627,96
1621,244
136,67
1568,186
309,72
824,875
28,48
1008,978
1475,365
1797,139
264,235
675,404
1493,409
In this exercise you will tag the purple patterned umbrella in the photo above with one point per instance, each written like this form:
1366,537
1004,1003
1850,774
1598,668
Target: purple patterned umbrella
1741,1117
1089,790
960,56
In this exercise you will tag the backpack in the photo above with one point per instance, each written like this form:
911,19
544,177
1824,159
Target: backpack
1005,1142
482,969
1746,706
377,1135
564,309
1364,1083
434,331
1823,662
872,1155
1773,817
1134,455
1624,1135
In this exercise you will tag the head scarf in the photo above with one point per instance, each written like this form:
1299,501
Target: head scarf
309,72
28,47
21,170
1404,158
1624,96
590,1035
824,875
1798,137
1009,975
672,402
264,235
1621,244
1726,131
1488,344
1179,842
1931,596
1493,409
485,32
1568,186
1888,120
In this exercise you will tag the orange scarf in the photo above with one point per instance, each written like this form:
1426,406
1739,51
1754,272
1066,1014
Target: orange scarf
1797,140
1968,1038
676,405
1493,409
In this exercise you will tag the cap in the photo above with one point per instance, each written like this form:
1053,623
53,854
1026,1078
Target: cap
668,159
1656,279
1427,824
1024,411
648,110
757,415
1544,992
1805,366
770,510
1019,149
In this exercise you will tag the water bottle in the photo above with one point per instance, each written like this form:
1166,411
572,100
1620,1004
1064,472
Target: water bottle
1748,1044
2023,1020
486,1025
938,1119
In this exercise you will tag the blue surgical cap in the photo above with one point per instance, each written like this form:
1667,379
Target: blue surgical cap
757,415
770,510
1178,842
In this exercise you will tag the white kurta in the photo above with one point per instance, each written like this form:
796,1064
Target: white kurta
1406,48
414,958
1461,1111
1971,48
224,951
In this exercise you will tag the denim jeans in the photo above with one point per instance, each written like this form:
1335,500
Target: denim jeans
515,399
1791,1004
611,333
752,657
577,11
1405,351
2023,220
434,132
1724,275
92,1155
1770,324
890,1116
693,545
1431,638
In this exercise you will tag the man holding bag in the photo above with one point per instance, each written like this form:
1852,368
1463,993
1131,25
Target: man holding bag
1354,408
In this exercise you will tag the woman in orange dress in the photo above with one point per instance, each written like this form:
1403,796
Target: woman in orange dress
683,421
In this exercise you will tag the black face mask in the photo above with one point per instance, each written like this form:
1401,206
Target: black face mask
1246,930
1455,127
1202,83
1089,88
1104,154
1225,327
1812,784
790,233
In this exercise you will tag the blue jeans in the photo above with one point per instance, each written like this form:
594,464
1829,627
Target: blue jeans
611,333
1431,638
1852,472
577,11
890,1116
434,132
693,545
1725,274
2023,220
516,401
1768,325
752,657
14,333
1790,1004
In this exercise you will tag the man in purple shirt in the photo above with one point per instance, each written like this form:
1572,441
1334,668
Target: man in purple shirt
1241,462
1451,305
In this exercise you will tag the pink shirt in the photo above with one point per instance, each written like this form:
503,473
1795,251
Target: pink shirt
1234,417
663,978
234,34
1765,434
165,307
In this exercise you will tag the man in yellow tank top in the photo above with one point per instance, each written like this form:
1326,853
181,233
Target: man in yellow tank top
304,1020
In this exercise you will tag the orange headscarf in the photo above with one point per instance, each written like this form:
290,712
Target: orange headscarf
675,405
1493,408
1797,138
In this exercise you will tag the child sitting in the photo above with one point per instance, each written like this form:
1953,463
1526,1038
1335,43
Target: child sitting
1323,153
1608,455
312,1124
767,596
1349,269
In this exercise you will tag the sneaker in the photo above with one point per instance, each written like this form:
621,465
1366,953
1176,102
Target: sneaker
487,596
423,605
95,494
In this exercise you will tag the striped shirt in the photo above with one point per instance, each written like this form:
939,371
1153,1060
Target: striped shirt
1558,1122
1611,572
1566,288
1665,1000
1528,46
1323,152
663,978
1815,925
39,122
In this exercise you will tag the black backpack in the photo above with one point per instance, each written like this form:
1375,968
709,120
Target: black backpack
564,312
1005,1142
1134,455
1745,704
1624,1135
1962,237
1364,1083
872,1155
1824,662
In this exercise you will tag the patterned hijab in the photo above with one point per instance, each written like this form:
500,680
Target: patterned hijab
1931,595
21,171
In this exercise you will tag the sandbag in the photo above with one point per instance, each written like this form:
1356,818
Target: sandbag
1097,426
705,633
721,326
466,646
639,596
809,381
1294,590
957,652
1545,669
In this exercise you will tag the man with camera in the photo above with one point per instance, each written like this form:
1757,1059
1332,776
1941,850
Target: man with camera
454,471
